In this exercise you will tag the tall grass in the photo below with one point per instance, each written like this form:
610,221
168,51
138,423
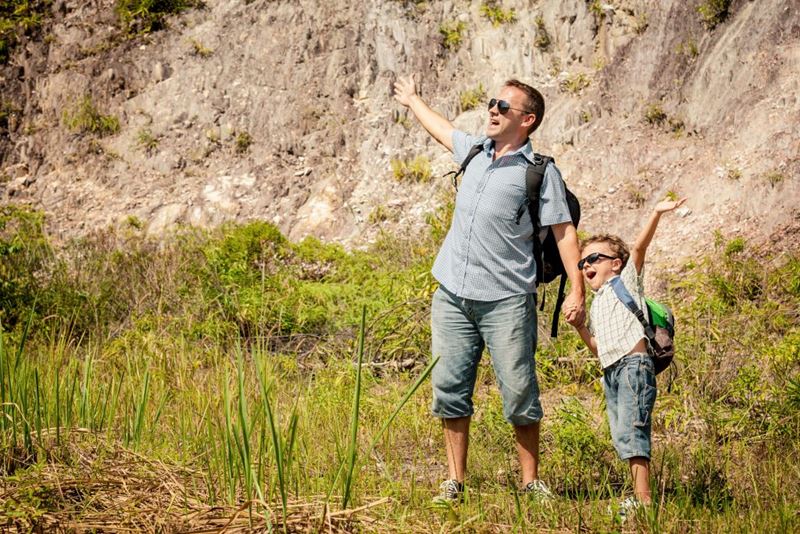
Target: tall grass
236,358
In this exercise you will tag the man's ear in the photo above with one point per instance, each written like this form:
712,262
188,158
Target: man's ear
529,120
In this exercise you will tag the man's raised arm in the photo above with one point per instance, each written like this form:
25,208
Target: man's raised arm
405,92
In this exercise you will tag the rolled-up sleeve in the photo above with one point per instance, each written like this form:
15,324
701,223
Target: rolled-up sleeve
553,208
462,142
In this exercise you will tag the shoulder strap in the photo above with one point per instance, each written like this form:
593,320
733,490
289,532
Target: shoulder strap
474,151
559,301
534,176
622,294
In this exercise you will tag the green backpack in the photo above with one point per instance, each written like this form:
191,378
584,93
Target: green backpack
659,325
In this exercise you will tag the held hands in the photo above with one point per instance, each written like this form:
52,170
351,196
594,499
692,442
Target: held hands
668,205
405,89
574,309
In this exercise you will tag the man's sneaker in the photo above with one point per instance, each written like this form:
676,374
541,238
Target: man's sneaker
538,490
628,509
450,492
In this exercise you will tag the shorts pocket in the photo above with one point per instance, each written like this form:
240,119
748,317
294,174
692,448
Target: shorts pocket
641,381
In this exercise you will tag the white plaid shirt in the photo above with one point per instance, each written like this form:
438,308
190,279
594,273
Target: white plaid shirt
488,252
614,327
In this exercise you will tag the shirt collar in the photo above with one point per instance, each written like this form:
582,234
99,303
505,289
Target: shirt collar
526,150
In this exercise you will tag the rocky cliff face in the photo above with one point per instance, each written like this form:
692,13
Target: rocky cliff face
282,110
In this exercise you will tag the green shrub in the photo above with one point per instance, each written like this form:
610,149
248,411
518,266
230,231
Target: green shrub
145,16
688,48
492,10
452,34
713,12
416,170
542,41
19,16
472,98
654,115
243,142
84,117
575,83
199,49
24,253
581,459
774,177
146,140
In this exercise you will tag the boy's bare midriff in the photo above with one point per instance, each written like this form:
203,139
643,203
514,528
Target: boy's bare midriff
639,348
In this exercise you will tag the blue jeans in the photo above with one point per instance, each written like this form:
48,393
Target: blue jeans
460,329
630,386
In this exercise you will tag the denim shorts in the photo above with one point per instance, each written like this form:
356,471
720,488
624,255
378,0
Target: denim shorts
460,329
630,386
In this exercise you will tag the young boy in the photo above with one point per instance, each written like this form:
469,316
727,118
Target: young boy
618,339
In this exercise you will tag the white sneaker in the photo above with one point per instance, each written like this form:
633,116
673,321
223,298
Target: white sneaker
628,508
451,491
538,491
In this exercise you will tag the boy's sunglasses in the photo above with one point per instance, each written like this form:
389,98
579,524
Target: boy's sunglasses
503,106
593,258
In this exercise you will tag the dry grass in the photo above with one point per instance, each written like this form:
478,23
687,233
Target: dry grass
88,484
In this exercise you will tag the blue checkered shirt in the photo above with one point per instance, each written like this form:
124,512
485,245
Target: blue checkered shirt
488,252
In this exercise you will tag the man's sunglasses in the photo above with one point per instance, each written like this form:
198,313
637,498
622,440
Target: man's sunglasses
503,106
593,258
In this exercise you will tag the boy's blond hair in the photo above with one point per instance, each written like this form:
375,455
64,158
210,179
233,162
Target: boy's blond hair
617,245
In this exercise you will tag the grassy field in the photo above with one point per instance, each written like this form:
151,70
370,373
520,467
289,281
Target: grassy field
232,380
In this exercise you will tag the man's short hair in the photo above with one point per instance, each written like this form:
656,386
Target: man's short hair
617,246
535,101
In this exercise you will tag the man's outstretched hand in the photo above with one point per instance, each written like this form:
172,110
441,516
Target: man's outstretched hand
405,89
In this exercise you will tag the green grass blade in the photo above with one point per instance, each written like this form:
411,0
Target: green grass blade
353,448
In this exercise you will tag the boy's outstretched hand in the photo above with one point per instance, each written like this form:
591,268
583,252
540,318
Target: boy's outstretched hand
669,205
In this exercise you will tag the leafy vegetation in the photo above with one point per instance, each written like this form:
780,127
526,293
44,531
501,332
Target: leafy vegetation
416,170
145,16
542,41
84,117
472,98
278,372
713,12
452,34
492,10
146,140
19,16
654,114
243,142
688,48
575,83
201,50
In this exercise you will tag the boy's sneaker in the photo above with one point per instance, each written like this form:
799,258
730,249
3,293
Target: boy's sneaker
450,492
538,491
628,509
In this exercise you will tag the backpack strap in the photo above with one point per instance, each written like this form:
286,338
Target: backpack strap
474,151
559,301
624,295
534,176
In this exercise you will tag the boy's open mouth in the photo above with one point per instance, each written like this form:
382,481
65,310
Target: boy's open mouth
591,274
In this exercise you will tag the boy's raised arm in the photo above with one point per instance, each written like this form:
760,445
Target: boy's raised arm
639,248
405,92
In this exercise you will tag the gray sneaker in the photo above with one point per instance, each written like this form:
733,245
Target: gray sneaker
538,491
450,492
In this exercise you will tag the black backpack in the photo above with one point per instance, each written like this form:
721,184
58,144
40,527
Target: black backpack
545,250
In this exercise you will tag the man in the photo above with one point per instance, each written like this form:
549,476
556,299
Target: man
487,276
